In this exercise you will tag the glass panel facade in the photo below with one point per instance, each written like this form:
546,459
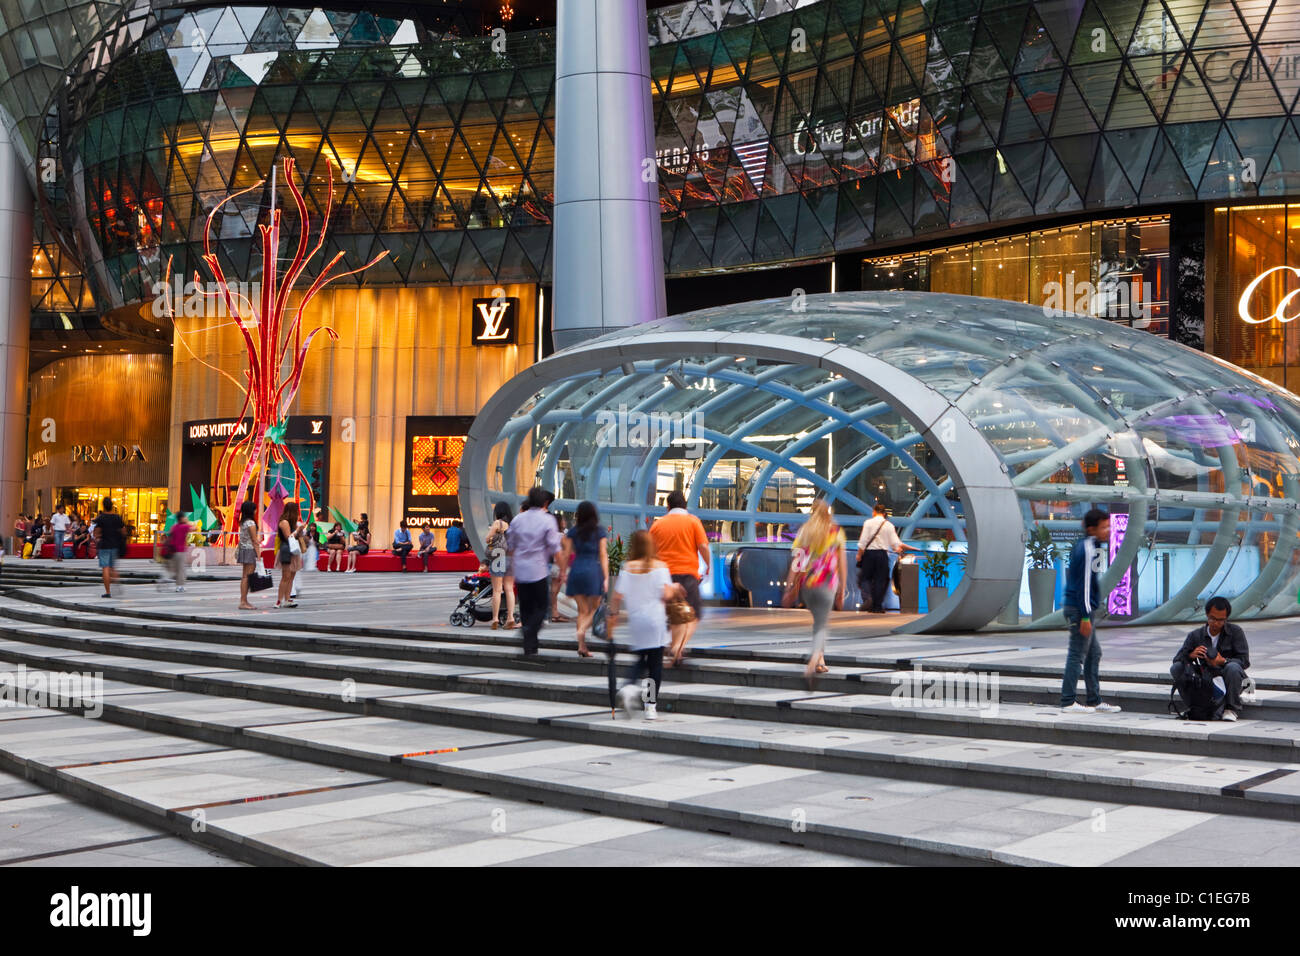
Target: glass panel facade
1115,269
890,124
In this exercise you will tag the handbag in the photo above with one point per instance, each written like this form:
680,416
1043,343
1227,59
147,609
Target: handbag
794,580
680,612
260,579
294,546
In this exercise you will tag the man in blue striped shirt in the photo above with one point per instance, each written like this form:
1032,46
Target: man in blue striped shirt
1082,605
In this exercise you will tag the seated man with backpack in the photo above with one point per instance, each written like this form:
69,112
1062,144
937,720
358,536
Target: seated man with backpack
1209,668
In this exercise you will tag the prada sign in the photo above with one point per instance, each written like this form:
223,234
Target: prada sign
101,454
495,321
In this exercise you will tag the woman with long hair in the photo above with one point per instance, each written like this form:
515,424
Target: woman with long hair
246,553
498,562
819,561
645,585
586,563
286,542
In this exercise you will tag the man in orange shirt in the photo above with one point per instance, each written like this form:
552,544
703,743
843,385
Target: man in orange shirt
680,542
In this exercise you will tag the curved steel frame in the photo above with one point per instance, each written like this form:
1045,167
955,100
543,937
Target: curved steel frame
993,524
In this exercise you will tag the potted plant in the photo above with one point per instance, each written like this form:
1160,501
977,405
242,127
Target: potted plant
615,554
1042,552
935,569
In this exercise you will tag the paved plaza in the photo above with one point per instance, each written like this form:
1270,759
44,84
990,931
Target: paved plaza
362,729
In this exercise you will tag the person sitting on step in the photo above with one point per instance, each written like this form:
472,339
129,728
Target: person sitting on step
1222,650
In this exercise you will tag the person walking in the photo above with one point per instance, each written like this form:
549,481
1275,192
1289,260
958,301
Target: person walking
533,541
288,553
427,547
645,585
557,580
585,561
1083,603
499,565
878,538
819,561
246,555
59,522
178,550
681,543
402,544
110,541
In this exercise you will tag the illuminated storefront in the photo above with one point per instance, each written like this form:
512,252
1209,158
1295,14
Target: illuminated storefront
1115,269
1257,242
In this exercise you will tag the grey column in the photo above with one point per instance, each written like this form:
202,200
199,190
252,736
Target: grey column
608,245
16,209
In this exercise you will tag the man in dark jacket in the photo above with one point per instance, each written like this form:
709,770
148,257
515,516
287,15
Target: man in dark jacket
1082,605
1223,652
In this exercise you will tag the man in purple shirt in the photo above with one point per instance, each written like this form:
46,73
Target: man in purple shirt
533,540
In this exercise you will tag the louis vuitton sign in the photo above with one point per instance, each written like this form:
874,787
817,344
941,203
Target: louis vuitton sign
495,321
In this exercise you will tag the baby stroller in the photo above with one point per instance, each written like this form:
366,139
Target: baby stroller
476,604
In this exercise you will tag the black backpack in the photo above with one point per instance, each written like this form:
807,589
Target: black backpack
1198,692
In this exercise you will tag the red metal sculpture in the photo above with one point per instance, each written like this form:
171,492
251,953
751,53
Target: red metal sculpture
269,339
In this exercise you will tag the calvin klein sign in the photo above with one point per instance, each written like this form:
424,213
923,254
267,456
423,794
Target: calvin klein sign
495,321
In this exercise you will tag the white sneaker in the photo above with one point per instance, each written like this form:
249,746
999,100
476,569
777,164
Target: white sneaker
1108,708
1229,715
1077,708
628,698
652,714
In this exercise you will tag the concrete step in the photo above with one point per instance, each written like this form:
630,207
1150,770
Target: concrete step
231,756
1137,697
1008,659
1127,771
258,808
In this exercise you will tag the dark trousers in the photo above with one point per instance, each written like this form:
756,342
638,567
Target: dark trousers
1232,673
425,556
649,661
401,550
873,578
534,601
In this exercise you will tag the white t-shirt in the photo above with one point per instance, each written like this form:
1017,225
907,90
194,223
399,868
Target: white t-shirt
878,534
59,522
643,596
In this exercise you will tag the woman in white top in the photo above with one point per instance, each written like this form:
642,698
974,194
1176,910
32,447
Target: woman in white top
645,586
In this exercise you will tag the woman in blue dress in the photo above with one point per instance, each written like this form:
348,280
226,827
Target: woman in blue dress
587,567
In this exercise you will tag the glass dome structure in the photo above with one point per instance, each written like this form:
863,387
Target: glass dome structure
976,421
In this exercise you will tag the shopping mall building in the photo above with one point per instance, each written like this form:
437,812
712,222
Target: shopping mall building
1132,162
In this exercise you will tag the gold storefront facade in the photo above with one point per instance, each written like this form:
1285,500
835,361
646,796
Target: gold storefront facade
99,428
401,352
1257,242
1116,269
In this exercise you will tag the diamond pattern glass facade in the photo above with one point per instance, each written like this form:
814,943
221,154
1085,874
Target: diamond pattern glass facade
782,134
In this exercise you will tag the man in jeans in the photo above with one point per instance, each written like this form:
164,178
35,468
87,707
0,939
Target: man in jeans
1082,604
533,540
59,521
680,543
1223,652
